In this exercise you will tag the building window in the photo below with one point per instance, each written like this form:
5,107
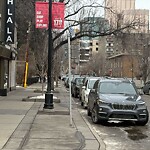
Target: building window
96,48
96,43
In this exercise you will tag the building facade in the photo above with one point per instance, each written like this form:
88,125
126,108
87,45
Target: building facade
7,57
115,8
90,45
124,65
121,13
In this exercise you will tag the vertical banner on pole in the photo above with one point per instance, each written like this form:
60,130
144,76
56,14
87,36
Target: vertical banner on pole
58,15
42,15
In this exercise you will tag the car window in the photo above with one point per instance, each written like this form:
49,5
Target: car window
117,88
91,83
148,83
79,81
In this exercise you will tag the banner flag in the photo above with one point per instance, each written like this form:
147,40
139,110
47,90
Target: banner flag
58,15
41,9
42,15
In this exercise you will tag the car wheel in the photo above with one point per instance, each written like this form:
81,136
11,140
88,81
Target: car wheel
94,115
75,95
84,105
149,92
88,111
72,95
143,123
79,97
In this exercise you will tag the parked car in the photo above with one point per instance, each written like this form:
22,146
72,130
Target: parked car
81,85
71,78
75,85
66,82
86,89
146,88
63,77
116,99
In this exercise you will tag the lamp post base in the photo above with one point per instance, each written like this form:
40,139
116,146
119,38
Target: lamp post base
48,101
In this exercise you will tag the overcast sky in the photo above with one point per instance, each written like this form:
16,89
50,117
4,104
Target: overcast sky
143,4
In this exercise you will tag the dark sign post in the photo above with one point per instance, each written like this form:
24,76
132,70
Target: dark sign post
10,21
55,16
49,95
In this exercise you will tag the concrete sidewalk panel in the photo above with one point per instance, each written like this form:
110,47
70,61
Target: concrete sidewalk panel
52,144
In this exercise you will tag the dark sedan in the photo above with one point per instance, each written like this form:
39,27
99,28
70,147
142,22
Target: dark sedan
116,99
75,86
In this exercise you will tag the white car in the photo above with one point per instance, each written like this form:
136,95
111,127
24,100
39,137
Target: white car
86,90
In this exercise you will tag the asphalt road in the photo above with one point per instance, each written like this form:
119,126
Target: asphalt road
121,135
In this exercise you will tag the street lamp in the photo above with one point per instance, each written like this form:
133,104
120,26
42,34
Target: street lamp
48,95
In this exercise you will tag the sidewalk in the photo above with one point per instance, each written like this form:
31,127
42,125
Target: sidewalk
25,125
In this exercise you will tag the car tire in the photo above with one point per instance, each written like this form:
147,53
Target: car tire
149,92
143,123
75,95
79,97
94,115
72,95
88,111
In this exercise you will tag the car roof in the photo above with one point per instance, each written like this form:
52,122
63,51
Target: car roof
110,79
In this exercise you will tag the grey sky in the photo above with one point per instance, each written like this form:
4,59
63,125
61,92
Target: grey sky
143,4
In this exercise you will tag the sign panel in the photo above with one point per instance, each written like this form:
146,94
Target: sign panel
42,14
10,21
58,15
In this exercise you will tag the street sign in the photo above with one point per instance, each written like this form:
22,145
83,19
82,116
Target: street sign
10,21
71,31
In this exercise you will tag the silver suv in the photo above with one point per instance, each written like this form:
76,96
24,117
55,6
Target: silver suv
116,99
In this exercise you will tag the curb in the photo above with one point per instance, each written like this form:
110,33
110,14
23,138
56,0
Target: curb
99,139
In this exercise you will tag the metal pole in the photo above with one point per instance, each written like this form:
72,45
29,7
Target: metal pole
70,100
26,56
48,95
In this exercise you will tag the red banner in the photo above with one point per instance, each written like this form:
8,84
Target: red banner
42,14
41,9
58,15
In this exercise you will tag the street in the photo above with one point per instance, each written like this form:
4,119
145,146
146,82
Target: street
121,135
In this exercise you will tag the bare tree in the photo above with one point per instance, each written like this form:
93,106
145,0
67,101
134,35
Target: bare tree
75,12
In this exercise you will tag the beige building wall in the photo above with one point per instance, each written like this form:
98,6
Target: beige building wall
94,46
140,17
123,12
117,7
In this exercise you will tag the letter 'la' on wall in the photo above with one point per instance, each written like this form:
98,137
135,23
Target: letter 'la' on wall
9,21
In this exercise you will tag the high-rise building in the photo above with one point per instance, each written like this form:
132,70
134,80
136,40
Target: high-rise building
120,13
114,9
90,44
141,19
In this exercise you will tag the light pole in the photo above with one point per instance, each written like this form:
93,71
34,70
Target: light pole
48,95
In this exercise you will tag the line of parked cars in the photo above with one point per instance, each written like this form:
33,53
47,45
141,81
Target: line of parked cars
107,98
